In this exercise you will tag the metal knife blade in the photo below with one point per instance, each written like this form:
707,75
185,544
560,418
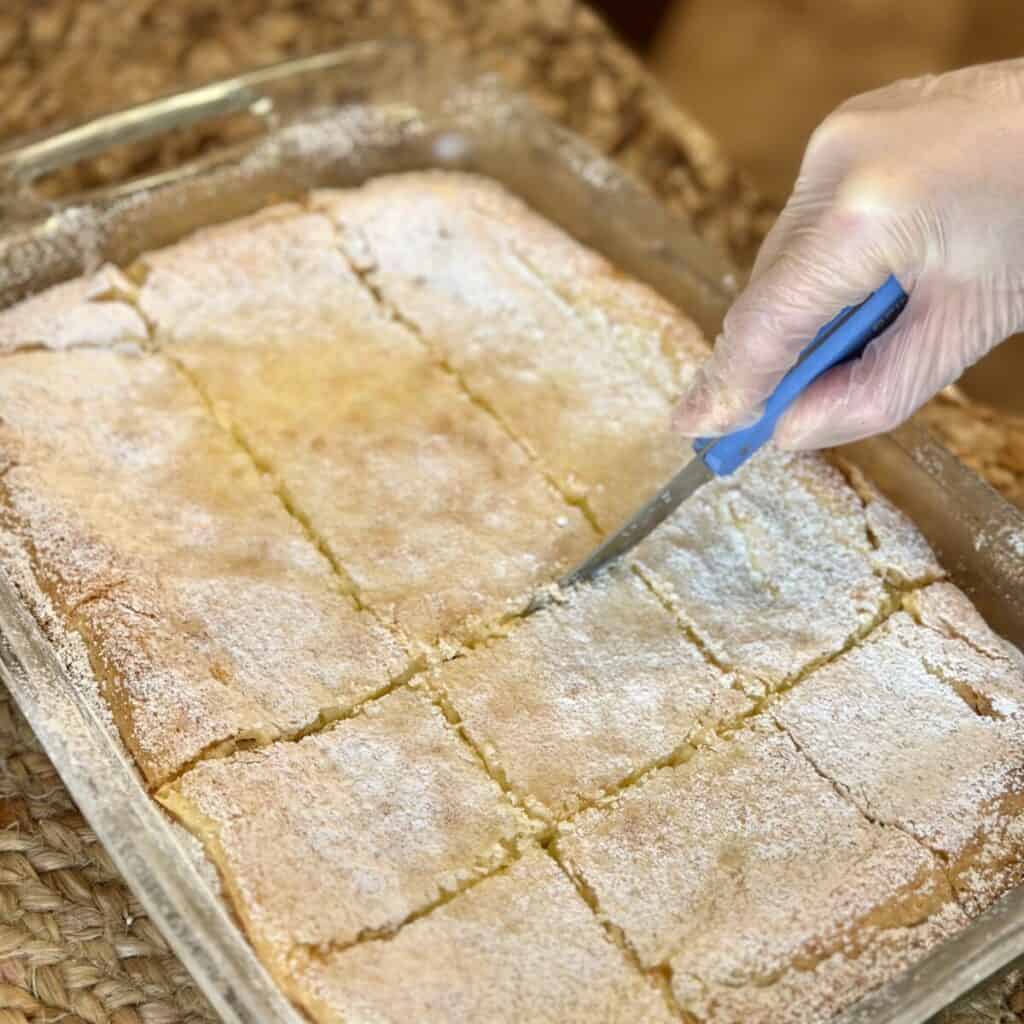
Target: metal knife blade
843,338
691,477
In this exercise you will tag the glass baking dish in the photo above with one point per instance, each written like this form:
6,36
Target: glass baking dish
336,120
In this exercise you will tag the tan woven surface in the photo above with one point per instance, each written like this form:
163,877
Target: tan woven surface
990,441
74,944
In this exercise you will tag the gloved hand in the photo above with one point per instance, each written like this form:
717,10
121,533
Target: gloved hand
923,179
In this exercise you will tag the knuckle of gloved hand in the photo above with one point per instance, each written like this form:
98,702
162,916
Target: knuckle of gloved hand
840,133
754,342
872,190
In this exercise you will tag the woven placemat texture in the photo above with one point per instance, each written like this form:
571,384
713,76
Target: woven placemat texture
990,441
64,60
74,944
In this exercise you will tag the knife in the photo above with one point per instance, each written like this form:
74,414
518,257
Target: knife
843,338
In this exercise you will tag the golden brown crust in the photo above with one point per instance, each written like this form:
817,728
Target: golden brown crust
348,832
760,886
153,536
520,946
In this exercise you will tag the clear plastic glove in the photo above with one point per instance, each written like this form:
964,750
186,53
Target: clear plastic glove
923,179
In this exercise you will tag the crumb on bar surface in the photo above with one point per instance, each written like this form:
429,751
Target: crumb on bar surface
520,946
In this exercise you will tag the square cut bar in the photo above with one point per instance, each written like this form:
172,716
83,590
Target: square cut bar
347,833
440,520
925,730
584,694
582,363
208,616
782,564
520,946
769,895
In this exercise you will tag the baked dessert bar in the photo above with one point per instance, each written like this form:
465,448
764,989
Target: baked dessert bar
288,485
768,895
581,363
455,963
210,619
588,693
783,564
438,518
921,725
345,834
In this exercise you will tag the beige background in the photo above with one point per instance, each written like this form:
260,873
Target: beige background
760,74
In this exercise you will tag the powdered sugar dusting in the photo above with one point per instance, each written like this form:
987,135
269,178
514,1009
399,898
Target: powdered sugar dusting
454,963
771,567
587,693
182,570
897,724
367,436
367,822
85,312
360,402
746,871
583,365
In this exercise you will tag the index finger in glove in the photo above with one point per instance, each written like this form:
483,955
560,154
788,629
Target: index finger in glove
829,267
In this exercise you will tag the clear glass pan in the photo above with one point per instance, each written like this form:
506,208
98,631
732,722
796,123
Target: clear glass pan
335,120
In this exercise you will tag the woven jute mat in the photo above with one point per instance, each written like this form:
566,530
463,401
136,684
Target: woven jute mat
75,945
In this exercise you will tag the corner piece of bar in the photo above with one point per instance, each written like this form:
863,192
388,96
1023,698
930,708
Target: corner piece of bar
95,311
925,731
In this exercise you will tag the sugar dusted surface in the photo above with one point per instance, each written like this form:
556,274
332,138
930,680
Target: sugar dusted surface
581,363
182,570
409,361
774,567
986,670
94,311
521,946
758,883
440,520
900,553
586,693
275,276
350,830
896,724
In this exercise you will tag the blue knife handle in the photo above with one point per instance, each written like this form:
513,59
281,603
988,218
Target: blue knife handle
843,338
